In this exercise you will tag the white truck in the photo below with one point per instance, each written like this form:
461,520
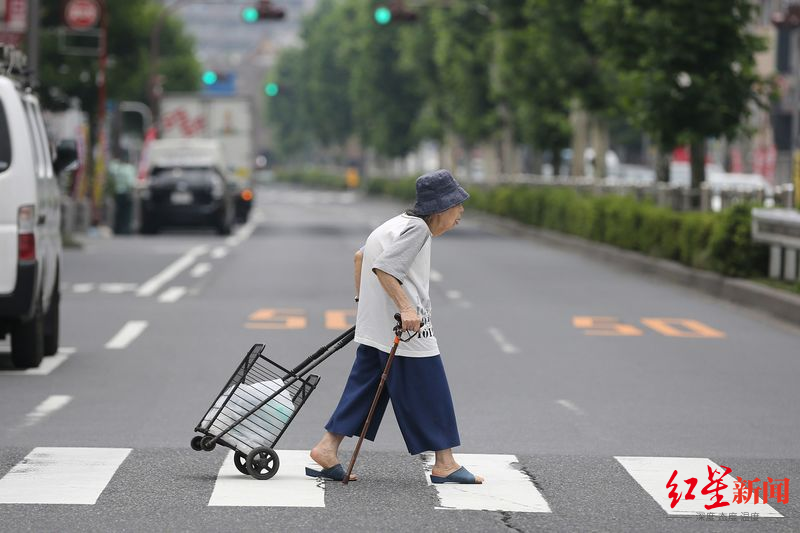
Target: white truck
228,119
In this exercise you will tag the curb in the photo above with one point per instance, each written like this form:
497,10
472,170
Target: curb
782,305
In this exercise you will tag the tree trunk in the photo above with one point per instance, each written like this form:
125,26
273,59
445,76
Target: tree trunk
600,142
556,162
697,151
662,165
579,120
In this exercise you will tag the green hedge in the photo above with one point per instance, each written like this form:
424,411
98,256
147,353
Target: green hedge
714,241
311,178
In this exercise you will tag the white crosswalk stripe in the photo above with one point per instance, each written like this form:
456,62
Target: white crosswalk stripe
507,488
74,476
654,473
79,476
289,488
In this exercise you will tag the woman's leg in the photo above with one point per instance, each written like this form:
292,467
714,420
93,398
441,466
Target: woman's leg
424,410
351,412
326,452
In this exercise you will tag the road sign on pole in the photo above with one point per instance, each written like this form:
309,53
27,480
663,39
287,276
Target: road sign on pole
81,14
796,177
13,21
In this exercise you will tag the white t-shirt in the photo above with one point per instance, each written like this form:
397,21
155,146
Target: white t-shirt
400,247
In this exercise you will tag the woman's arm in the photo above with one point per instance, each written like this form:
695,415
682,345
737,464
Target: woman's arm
395,291
358,260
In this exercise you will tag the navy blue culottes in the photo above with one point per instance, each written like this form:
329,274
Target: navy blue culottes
420,398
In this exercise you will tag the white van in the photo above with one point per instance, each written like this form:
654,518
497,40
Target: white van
30,235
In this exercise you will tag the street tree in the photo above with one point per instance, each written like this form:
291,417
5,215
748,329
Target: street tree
287,112
537,96
463,55
565,53
326,92
130,22
686,69
384,100
417,63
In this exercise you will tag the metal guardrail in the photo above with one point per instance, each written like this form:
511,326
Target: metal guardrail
712,196
780,228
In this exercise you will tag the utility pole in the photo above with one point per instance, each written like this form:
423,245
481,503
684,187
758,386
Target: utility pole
154,86
34,19
102,142
789,20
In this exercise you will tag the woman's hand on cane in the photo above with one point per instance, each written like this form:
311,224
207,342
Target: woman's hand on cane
410,319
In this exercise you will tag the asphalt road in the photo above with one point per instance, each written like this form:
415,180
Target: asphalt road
560,367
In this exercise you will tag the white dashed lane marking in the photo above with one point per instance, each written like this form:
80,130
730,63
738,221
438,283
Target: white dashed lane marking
155,283
501,341
172,295
82,288
571,406
117,288
200,270
129,332
46,408
219,252
244,233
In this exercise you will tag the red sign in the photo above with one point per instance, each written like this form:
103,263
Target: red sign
82,14
12,38
16,15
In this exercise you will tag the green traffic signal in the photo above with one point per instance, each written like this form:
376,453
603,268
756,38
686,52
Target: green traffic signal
271,89
250,14
383,15
209,77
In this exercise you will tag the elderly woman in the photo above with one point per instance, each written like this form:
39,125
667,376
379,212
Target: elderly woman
392,274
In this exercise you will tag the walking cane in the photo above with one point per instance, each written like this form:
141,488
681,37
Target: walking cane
398,329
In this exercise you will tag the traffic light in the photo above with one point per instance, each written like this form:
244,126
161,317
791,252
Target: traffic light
271,89
210,77
394,10
383,15
250,14
217,82
263,10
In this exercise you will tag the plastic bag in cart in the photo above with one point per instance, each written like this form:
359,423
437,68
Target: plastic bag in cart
263,426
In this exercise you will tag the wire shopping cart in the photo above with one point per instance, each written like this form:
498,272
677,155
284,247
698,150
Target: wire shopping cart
257,404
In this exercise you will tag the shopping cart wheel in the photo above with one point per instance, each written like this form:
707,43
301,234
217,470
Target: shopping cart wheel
240,461
262,462
206,443
196,446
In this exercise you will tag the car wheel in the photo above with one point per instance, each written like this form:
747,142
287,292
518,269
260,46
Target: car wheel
51,322
27,341
224,224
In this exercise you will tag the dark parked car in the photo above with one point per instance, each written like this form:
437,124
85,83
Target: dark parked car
187,196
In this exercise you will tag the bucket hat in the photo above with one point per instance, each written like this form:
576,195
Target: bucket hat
438,191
